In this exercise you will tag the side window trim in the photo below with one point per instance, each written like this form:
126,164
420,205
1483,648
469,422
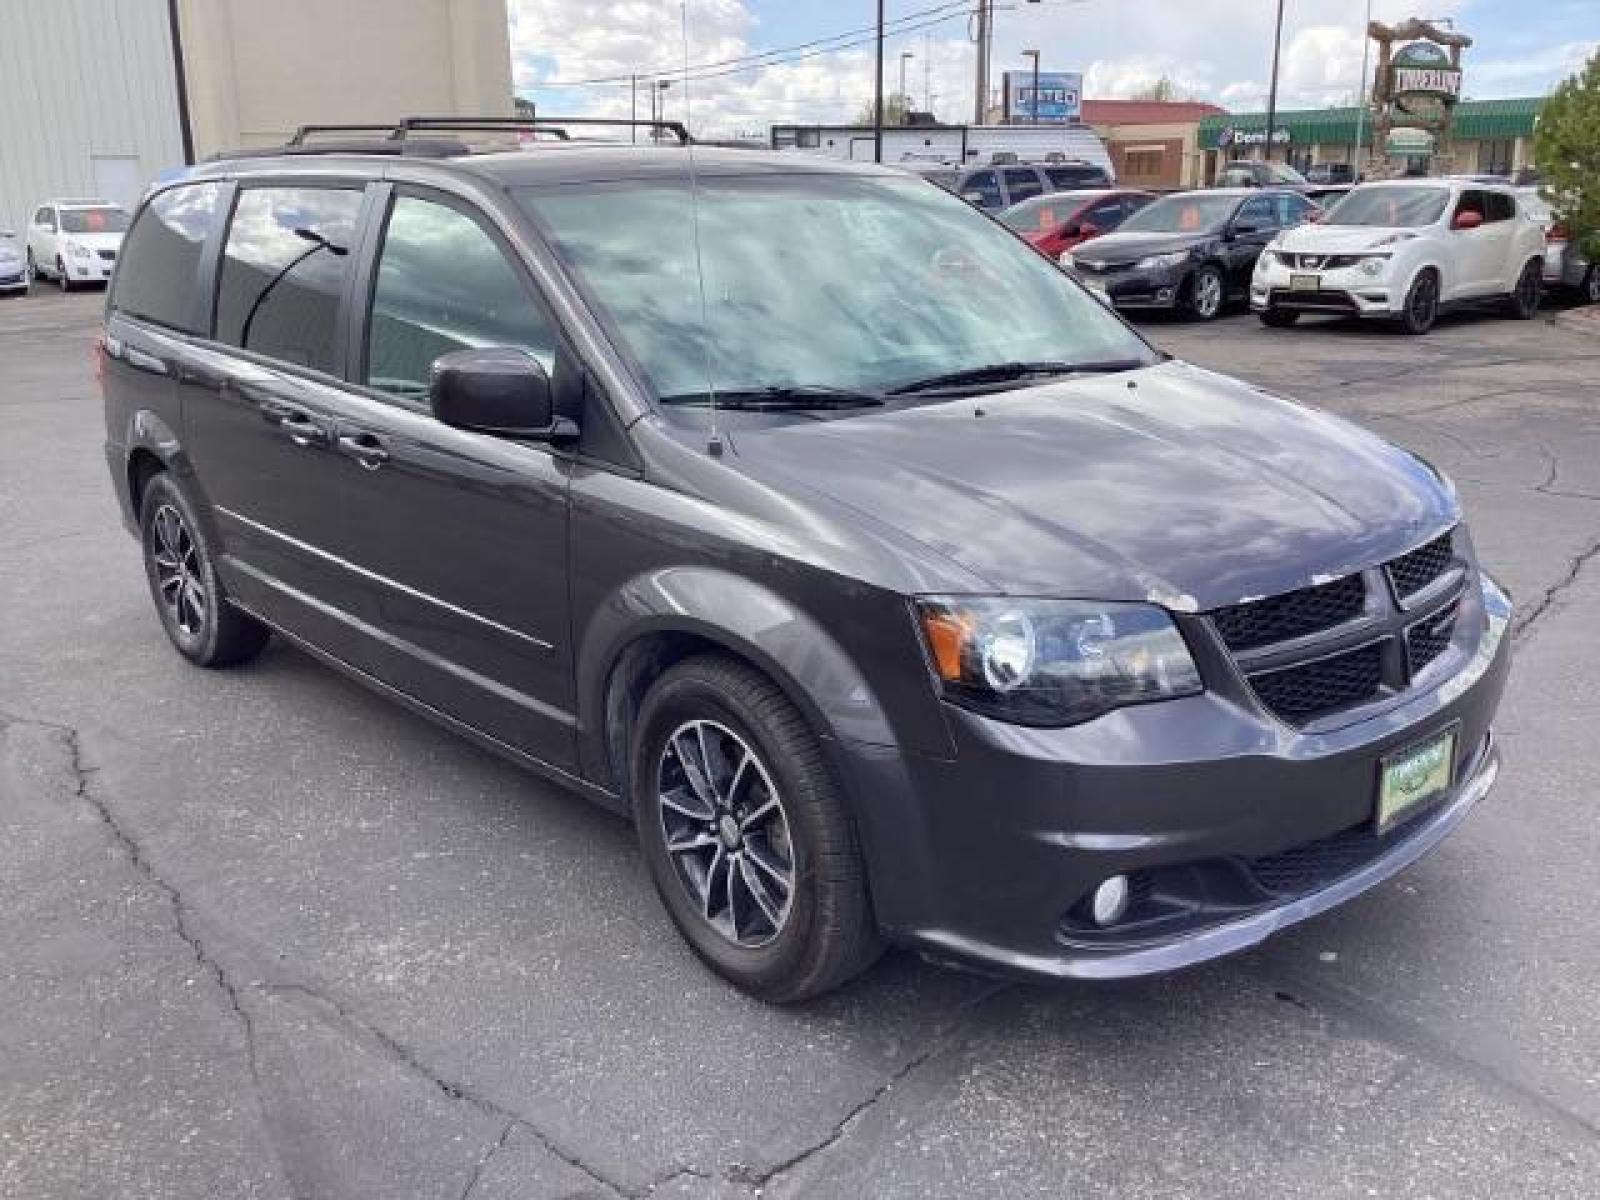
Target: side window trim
364,282
356,304
203,313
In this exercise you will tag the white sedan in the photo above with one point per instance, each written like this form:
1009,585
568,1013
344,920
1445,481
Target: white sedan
13,272
75,241
1403,250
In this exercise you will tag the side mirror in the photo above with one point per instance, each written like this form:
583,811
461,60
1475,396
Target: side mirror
1467,220
1244,228
498,390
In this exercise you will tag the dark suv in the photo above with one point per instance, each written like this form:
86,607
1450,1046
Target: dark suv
892,585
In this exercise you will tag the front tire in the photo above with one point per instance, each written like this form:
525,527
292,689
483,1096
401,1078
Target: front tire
190,599
1278,318
1203,300
1422,303
61,275
1590,288
746,833
1523,303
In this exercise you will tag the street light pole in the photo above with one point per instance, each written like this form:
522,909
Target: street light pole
1033,107
1272,93
904,100
1361,96
981,99
877,93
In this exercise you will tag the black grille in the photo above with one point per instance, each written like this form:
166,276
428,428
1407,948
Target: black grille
109,255
1307,868
1340,681
1410,573
1291,615
1427,639
1322,262
1099,266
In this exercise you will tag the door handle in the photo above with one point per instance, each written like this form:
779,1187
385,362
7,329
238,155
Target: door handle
301,429
367,450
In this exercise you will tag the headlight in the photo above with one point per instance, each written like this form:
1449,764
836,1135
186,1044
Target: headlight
1053,662
78,251
1065,259
1158,261
1373,265
1268,257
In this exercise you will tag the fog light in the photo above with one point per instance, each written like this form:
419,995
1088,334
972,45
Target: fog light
1164,294
1110,902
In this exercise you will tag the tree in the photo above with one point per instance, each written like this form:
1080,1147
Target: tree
1162,90
1566,145
895,108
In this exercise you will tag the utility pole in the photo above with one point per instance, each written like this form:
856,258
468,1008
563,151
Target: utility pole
1034,106
927,72
1272,93
1361,96
877,93
905,101
981,100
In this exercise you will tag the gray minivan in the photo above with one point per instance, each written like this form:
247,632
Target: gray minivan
895,588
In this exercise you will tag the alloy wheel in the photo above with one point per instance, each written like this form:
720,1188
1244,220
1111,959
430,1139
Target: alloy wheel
1424,303
727,833
1528,290
1207,294
178,576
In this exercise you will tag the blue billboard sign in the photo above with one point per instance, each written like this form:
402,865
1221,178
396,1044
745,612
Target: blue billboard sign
1059,102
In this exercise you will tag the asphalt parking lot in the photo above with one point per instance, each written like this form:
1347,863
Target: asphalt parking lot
265,934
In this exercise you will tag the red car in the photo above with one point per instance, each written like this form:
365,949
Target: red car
1057,221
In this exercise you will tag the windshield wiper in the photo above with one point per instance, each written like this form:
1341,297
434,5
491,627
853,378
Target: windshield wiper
1006,372
780,398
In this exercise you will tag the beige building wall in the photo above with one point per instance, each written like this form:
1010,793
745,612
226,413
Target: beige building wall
257,69
1179,142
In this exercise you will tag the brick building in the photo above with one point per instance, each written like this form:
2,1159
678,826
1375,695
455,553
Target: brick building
1152,143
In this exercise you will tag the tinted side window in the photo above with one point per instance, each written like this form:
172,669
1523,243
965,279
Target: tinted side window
44,217
1258,211
1063,178
1472,202
161,255
1022,184
443,284
1105,215
986,186
1292,210
1500,206
283,269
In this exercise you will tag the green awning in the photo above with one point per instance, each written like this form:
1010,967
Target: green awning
1474,120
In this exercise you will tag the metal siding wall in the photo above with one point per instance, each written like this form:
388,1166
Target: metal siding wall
80,78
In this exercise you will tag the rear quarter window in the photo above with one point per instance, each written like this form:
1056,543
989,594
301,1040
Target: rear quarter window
160,257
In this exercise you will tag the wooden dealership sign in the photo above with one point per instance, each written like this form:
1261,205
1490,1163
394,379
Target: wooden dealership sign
1414,91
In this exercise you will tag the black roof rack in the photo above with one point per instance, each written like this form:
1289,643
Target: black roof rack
555,125
414,136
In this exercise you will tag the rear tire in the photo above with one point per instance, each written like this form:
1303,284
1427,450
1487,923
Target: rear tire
716,745
1590,287
1422,303
181,568
1523,303
1278,318
1203,299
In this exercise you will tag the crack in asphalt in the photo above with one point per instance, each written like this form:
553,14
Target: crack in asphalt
360,1029
482,1164
936,1045
183,926
1529,616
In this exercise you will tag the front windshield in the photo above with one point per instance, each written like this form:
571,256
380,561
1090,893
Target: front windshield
1045,213
93,220
1192,212
1390,207
816,280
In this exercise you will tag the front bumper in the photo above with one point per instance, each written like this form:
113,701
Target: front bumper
1347,291
988,858
1134,288
13,278
95,269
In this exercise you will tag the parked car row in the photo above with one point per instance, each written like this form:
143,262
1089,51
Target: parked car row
1401,250
72,242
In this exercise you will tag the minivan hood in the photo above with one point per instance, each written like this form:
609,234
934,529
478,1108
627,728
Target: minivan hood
1169,484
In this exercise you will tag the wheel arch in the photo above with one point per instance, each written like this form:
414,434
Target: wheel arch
653,622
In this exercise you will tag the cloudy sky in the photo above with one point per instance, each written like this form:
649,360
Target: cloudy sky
1217,50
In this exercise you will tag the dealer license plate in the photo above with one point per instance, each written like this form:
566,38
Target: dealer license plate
1305,283
1411,779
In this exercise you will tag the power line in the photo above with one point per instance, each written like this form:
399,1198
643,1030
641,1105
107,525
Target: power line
902,24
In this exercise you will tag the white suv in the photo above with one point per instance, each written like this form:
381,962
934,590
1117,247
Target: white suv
75,241
1402,250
